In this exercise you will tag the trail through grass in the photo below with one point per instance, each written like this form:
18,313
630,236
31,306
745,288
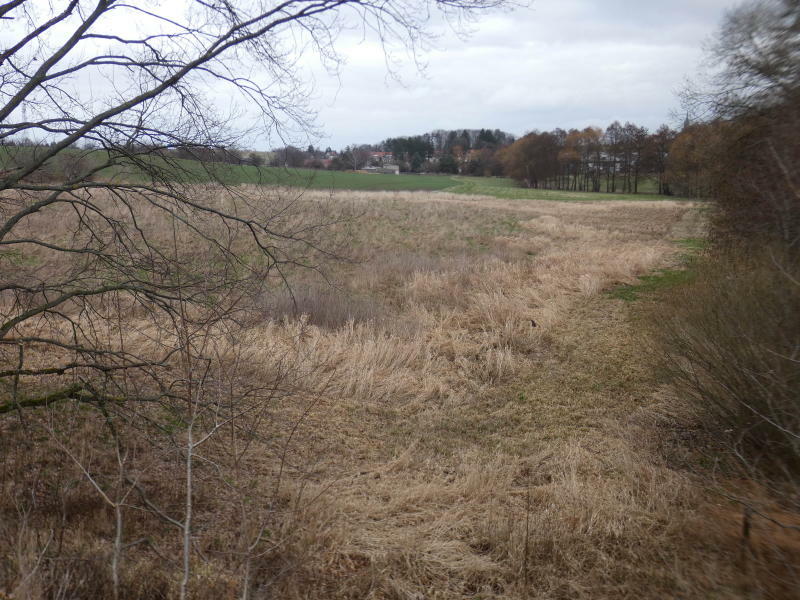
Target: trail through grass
682,273
467,415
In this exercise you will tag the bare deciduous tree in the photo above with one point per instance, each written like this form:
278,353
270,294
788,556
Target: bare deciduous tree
126,271
735,349
128,80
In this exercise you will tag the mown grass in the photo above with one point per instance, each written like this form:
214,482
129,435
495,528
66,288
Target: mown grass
505,188
661,279
667,278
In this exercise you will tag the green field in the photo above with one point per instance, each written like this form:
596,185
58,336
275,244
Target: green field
193,171
498,187
345,180
502,187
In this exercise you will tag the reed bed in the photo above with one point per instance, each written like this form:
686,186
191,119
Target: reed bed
454,421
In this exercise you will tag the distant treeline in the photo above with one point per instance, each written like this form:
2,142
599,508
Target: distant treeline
465,151
19,150
616,159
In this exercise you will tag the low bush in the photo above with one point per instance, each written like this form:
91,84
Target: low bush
730,340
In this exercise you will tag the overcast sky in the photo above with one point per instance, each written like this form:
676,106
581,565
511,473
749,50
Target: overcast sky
560,63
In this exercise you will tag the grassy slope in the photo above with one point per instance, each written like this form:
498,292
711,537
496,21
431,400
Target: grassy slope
314,179
502,187
498,187
196,172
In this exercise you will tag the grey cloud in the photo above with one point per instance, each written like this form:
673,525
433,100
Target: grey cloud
566,63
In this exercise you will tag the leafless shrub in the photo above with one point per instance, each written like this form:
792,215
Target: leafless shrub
123,297
72,165
731,342
750,152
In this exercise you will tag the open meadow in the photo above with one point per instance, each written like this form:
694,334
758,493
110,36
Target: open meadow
452,406
557,360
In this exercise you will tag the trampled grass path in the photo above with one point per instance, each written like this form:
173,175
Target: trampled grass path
551,484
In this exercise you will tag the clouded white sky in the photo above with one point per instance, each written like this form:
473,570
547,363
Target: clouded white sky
559,63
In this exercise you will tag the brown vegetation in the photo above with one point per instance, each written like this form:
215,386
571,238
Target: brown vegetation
424,441
730,340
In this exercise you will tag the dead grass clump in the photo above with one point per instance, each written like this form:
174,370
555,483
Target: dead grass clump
590,526
569,523
322,305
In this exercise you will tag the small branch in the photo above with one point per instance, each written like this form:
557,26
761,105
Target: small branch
73,392
152,507
15,384
747,505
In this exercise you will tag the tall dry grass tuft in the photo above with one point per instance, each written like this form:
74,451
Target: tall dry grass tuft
322,305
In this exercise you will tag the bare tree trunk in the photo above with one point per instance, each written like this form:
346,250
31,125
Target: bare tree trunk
117,556
187,519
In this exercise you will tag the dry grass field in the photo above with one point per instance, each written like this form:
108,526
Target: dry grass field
463,413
